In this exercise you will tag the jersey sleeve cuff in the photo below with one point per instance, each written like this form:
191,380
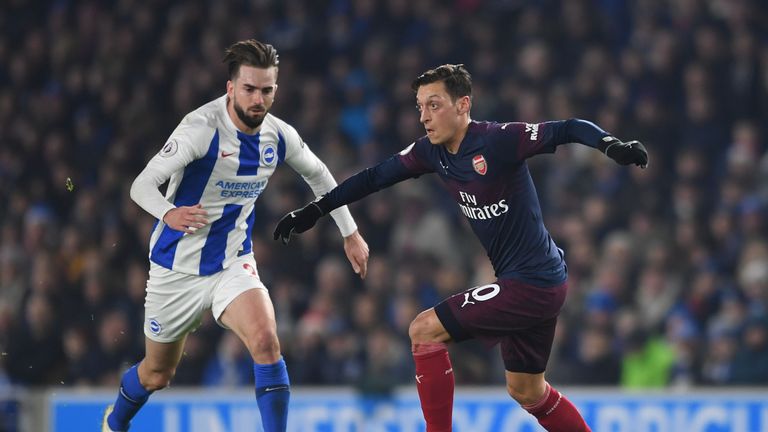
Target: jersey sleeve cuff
160,212
344,221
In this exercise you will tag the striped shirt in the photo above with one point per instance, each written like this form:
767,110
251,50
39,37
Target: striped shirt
207,160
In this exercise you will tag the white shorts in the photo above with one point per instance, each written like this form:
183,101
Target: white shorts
175,302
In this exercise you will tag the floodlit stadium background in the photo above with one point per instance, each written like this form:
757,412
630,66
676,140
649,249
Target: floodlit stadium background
668,266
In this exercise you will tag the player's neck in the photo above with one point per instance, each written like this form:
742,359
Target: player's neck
453,145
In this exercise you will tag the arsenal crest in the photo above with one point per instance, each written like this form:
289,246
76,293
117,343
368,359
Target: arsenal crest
478,162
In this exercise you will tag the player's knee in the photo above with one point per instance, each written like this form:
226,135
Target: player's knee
263,346
158,379
421,329
524,394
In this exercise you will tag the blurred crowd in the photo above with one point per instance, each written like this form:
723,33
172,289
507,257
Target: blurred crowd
668,266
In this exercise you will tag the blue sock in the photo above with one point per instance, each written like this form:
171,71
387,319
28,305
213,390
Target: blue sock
273,390
130,399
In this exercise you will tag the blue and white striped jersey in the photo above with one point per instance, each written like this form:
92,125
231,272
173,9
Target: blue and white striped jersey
209,161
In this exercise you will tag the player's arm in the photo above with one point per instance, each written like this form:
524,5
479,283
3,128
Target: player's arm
387,173
588,133
545,137
180,150
316,174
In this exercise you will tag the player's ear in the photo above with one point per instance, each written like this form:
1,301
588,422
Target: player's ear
463,104
230,88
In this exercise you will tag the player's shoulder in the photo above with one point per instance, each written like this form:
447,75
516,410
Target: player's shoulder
279,126
273,122
493,127
491,133
198,127
210,114
281,130
421,146
207,117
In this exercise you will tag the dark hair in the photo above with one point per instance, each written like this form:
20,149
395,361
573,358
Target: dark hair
251,53
458,81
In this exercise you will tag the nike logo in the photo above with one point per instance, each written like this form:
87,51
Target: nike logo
223,154
122,392
418,378
448,371
269,389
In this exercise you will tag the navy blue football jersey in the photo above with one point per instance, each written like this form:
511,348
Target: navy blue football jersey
489,179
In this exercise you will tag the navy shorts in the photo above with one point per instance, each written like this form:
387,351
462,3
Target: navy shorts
520,316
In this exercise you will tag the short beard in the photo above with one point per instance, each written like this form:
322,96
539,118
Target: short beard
251,122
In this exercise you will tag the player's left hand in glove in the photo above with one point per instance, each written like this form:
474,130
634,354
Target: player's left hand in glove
297,221
625,153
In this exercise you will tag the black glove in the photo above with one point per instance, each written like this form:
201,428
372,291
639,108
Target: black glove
297,221
625,153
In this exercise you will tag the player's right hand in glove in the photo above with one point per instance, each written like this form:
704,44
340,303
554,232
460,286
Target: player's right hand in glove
625,153
297,221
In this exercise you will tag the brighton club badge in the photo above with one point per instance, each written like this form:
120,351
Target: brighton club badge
478,162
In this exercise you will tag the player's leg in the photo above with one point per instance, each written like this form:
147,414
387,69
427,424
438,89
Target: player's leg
153,373
252,317
550,407
526,352
172,308
434,373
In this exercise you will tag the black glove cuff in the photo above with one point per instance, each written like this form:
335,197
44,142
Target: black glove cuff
322,205
318,208
607,142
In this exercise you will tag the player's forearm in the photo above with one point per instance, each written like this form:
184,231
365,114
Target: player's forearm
364,183
584,132
359,185
316,174
320,184
344,221
624,153
145,193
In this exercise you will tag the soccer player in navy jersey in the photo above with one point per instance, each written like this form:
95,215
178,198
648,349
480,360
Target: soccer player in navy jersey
483,167
217,162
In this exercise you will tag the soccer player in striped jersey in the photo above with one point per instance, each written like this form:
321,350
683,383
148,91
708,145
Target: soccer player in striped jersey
482,164
217,162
